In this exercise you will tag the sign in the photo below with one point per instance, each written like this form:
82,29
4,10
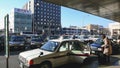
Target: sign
22,11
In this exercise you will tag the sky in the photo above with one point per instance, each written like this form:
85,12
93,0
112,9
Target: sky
69,17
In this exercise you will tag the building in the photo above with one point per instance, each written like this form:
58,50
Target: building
20,21
114,28
94,29
46,16
74,30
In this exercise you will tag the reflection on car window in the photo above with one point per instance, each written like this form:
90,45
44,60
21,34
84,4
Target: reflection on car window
64,46
99,41
77,46
17,38
72,45
50,46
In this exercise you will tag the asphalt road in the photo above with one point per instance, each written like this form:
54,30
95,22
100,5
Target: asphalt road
92,63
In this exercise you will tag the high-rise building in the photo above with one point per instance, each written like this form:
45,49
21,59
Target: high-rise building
20,21
46,16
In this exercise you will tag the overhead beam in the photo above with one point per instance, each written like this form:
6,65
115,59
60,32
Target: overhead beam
109,9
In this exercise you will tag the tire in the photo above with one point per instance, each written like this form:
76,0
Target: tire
45,65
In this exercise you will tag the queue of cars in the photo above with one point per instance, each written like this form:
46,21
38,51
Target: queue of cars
54,51
17,42
21,42
1,43
96,46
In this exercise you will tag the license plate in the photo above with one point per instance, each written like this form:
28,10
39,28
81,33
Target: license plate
21,65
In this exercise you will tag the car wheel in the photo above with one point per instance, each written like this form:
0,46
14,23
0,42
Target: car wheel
45,65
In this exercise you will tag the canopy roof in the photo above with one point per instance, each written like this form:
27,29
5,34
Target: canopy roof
109,9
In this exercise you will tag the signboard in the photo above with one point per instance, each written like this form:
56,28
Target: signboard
22,11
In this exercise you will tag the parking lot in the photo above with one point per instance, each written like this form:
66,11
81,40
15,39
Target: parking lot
93,63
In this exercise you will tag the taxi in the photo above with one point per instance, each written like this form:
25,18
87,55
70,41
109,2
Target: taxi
55,53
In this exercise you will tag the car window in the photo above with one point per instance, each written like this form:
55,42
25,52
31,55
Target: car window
53,37
17,38
99,41
64,46
50,46
77,46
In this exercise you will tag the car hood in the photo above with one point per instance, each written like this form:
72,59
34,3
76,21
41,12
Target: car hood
28,55
95,45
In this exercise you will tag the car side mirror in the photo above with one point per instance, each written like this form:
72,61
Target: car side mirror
41,53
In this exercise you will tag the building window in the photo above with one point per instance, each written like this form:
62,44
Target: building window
44,19
37,4
41,12
41,19
41,15
41,8
37,15
41,22
38,8
38,22
41,5
38,11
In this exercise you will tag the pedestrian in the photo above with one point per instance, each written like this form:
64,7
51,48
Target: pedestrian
107,49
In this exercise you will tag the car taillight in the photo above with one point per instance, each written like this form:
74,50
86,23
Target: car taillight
31,62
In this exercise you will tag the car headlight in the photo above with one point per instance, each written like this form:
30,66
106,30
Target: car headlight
32,43
22,44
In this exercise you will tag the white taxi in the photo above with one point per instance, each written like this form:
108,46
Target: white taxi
54,53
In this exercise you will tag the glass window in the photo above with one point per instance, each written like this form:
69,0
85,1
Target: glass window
41,19
41,22
50,46
37,15
77,46
64,46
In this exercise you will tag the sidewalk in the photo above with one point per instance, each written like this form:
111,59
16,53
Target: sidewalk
115,62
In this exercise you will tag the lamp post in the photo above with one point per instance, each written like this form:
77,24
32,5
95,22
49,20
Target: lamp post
6,21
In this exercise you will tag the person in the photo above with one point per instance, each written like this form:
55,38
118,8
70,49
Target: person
107,49
118,40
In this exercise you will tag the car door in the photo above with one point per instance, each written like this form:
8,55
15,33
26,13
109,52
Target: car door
78,53
61,56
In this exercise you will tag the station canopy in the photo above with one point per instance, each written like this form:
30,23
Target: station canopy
109,9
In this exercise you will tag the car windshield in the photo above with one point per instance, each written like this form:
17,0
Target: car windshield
17,38
53,37
66,37
98,41
50,46
85,37
37,40
36,36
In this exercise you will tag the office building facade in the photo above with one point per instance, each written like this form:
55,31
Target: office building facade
20,21
46,17
74,30
114,28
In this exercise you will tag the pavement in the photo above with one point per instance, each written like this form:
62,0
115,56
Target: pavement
114,63
93,62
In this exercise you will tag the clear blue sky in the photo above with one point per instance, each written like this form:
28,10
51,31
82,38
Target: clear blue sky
68,16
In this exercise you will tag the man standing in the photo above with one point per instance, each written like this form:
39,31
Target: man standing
107,49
